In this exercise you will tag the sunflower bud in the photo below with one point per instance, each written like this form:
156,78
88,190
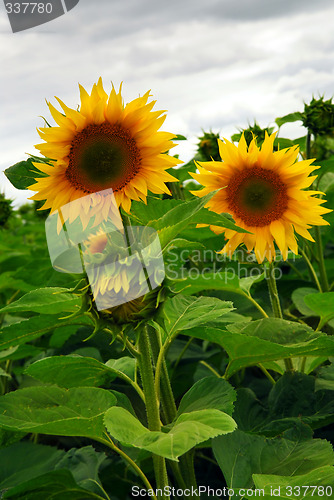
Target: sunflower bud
319,116
125,278
136,310
208,146
251,132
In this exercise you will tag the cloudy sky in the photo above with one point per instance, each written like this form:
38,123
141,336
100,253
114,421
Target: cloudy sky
212,64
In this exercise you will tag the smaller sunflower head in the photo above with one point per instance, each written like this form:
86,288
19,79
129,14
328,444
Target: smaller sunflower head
264,191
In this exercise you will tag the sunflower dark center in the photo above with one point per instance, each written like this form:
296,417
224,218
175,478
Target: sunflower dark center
102,156
257,195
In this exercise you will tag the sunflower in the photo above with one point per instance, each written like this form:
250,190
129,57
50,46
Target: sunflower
104,145
264,192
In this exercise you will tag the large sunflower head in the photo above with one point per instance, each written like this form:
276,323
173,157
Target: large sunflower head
104,145
264,192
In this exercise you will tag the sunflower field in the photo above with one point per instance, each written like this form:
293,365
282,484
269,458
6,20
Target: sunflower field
166,329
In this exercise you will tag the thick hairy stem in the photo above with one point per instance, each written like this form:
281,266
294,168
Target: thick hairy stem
275,304
152,404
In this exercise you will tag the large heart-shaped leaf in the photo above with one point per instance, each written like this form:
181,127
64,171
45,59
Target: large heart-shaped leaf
183,313
187,431
209,393
265,340
78,371
240,455
315,485
32,328
53,410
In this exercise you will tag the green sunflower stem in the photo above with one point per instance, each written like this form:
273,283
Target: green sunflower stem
167,397
320,251
185,473
275,303
151,403
321,261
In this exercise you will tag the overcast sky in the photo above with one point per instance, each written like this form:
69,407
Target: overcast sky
212,64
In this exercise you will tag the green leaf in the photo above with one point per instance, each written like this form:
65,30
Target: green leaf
46,301
188,430
182,313
322,304
23,174
301,142
204,281
178,218
291,117
71,371
298,297
326,183
3,373
276,330
32,328
325,378
206,216
264,340
179,137
55,485
84,465
78,371
182,172
154,210
7,281
20,352
56,411
209,393
294,398
194,283
326,166
295,488
282,143
240,455
249,413
247,283
25,460
122,366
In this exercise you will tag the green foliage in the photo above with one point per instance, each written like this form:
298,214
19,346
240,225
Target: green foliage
80,371
240,455
311,485
265,340
183,313
73,419
23,174
45,301
53,410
